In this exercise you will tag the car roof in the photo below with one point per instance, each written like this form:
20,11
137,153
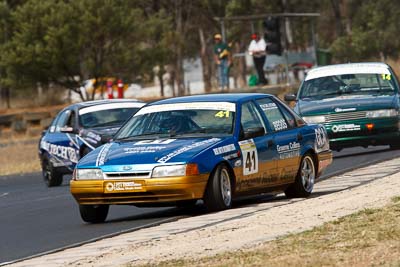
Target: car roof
228,97
102,102
349,68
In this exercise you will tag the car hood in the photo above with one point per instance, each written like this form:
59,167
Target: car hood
121,156
344,104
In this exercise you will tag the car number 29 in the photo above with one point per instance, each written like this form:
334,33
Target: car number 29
250,157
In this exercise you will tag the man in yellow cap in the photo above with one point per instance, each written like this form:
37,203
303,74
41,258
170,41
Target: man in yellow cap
222,59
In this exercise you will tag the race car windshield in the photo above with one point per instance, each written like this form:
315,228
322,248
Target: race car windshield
348,84
184,123
104,118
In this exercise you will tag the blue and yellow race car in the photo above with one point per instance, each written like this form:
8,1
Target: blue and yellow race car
77,130
210,147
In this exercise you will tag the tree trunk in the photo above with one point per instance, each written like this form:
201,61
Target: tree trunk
348,17
160,79
8,97
205,62
288,28
5,95
169,78
79,91
338,17
172,80
179,48
382,56
179,74
241,65
39,92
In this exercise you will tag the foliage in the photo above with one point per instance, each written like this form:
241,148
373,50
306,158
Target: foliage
65,42
40,44
373,35
68,42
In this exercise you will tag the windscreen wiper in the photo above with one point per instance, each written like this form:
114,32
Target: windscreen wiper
172,133
138,136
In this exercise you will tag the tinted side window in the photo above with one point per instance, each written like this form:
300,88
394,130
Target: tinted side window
290,119
290,114
275,118
52,126
71,120
250,117
62,120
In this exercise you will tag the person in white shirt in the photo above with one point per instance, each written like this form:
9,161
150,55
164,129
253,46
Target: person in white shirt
257,49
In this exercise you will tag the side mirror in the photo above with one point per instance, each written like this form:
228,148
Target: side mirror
67,129
290,97
253,132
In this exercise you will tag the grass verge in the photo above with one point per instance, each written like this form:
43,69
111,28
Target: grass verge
19,158
368,238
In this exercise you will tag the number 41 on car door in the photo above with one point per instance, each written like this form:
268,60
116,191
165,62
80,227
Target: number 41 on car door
250,156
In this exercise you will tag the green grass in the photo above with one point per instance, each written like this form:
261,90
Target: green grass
368,238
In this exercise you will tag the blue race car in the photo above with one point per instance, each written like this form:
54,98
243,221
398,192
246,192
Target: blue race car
77,130
210,147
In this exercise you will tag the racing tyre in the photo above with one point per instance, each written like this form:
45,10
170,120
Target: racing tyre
50,175
94,213
218,195
304,183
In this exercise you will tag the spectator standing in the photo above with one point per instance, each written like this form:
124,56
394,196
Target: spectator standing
223,61
110,92
120,87
257,49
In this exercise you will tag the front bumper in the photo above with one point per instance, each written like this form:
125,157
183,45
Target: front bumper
132,191
385,131
364,141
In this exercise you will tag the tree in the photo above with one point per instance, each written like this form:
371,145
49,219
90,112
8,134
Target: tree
66,43
338,17
5,25
373,32
207,26
181,38
110,37
158,27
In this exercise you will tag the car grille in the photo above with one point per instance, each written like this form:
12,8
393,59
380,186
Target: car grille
126,175
345,116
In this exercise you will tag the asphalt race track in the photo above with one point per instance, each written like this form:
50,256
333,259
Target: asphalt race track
36,219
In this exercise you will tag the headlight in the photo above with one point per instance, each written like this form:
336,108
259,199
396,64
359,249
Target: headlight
175,170
382,113
88,174
314,119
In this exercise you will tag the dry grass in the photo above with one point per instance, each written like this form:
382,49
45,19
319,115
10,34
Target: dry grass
367,238
19,158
